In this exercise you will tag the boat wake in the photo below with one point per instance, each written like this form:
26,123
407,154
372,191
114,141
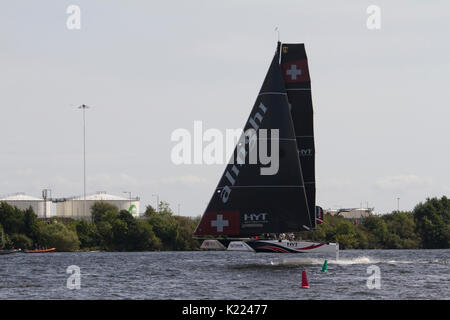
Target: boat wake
343,262
290,262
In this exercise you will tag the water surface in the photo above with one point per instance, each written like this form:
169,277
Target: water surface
404,274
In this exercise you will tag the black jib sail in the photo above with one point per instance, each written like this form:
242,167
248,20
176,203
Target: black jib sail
294,67
248,200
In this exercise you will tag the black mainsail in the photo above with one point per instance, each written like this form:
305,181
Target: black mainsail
247,202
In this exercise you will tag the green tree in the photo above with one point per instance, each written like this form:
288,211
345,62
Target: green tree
401,231
2,237
378,232
57,235
142,238
325,231
11,218
87,234
21,241
149,211
122,232
163,225
32,226
433,222
346,235
103,211
186,228
106,234
164,209
119,230
363,238
127,217
166,229
175,232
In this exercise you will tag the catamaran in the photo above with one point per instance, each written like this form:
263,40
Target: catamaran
247,207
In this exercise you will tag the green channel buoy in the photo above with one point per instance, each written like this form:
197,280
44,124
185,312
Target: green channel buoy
324,267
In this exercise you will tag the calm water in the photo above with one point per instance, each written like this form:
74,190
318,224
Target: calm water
404,274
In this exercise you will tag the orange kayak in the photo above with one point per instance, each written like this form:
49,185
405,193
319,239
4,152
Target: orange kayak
40,250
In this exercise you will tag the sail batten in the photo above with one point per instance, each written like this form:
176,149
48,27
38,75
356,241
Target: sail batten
259,186
280,93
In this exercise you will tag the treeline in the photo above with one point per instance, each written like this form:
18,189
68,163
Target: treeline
427,226
110,229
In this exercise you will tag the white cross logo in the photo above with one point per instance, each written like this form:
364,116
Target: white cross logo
219,223
294,72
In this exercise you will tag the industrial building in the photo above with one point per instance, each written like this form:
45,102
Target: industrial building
74,207
42,207
351,213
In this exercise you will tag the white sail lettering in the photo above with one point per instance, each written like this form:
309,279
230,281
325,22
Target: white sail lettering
230,178
262,107
225,194
249,138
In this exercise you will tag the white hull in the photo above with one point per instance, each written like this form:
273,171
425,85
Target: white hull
283,246
212,245
286,246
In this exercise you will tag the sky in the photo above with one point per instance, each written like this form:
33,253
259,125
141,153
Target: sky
148,68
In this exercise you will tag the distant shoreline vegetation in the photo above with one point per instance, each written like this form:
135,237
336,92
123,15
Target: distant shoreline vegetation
427,227
109,230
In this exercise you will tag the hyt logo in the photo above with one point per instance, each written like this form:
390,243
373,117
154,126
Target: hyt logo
255,217
74,281
74,20
374,280
305,152
255,220
374,18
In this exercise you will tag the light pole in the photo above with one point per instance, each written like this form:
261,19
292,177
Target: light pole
398,204
84,107
45,194
157,201
179,205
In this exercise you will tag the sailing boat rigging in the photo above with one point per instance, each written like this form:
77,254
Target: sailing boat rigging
247,203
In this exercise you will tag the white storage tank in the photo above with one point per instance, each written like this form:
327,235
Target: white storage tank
351,213
74,207
42,208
